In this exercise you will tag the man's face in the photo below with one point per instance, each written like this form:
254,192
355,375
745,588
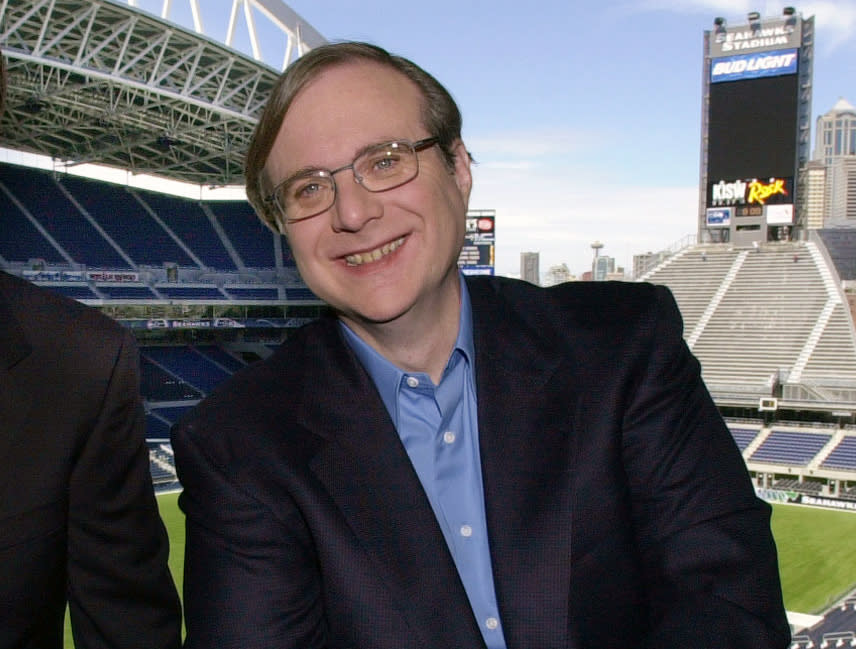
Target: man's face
374,257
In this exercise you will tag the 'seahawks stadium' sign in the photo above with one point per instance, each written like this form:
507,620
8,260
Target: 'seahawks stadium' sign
769,35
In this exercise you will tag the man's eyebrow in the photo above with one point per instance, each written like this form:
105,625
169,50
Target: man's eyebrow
303,171
376,144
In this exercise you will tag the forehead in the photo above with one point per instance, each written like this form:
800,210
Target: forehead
343,109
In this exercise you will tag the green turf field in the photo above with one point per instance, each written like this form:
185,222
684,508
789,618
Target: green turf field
173,519
817,556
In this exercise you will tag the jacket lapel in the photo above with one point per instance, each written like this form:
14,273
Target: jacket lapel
367,472
525,448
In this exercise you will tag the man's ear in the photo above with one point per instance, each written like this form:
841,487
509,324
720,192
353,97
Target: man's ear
461,171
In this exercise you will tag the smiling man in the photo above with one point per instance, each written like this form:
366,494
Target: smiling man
450,461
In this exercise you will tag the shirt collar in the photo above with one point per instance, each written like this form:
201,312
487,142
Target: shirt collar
386,376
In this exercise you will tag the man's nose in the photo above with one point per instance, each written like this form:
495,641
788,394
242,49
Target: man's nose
355,205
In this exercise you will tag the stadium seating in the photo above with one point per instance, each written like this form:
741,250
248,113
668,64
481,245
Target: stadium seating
743,436
120,291
20,237
78,223
174,379
841,244
160,385
246,231
843,456
795,448
792,484
190,222
752,316
60,216
836,629
188,365
222,358
162,463
126,221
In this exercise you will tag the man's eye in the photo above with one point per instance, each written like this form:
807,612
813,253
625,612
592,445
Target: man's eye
384,163
307,190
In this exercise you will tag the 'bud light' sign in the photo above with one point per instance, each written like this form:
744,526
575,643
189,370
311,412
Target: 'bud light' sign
753,66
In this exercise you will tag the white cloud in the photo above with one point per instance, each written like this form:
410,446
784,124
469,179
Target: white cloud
835,21
509,164
528,144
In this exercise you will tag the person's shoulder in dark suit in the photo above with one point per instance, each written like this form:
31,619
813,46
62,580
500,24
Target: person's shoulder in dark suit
79,524
583,306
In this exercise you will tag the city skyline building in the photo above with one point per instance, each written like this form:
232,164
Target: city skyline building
558,274
841,192
603,268
835,133
815,194
530,267
835,150
644,262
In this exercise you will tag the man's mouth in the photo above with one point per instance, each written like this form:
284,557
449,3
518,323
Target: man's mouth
360,258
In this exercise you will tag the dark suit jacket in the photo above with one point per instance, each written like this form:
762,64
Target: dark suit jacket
619,510
78,518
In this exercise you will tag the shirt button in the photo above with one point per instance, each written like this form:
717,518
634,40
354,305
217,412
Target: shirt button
491,623
412,381
466,530
449,437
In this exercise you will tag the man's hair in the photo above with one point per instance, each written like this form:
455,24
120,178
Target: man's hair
440,114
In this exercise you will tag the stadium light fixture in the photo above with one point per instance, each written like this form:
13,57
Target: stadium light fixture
754,21
165,142
34,105
719,29
790,19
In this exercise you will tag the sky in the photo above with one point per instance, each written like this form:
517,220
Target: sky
584,115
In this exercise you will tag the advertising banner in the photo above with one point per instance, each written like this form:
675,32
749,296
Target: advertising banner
718,217
754,66
216,323
795,498
779,214
112,276
758,37
52,275
477,255
751,191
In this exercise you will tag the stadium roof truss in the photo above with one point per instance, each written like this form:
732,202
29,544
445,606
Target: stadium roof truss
95,81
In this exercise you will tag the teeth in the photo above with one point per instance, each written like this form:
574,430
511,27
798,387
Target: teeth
358,259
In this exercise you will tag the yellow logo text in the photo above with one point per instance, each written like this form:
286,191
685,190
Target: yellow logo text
759,192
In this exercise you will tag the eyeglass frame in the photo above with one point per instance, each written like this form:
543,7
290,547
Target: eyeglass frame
417,146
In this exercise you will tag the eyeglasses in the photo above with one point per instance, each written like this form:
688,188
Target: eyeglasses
378,168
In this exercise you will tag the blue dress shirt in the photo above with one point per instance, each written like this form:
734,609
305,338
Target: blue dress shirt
438,425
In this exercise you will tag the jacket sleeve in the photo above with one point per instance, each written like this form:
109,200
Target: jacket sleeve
707,552
120,591
251,578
